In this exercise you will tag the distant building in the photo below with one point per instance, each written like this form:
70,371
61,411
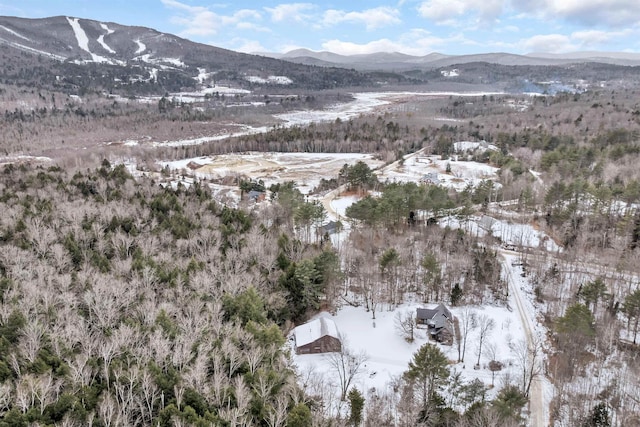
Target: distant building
331,227
317,336
431,178
256,196
439,322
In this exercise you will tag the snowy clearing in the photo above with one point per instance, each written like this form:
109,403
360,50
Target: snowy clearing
141,47
101,38
417,167
306,169
389,353
83,40
10,31
279,80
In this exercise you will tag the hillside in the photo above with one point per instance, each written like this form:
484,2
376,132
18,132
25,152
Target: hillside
75,54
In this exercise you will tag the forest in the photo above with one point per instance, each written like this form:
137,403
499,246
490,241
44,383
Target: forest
130,301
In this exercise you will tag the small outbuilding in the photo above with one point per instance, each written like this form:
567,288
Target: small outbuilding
317,336
331,227
256,196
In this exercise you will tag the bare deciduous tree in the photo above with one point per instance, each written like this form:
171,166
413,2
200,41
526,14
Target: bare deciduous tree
405,324
528,355
485,326
467,324
347,365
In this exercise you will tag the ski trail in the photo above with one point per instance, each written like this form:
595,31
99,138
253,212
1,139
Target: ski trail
141,47
83,40
101,38
10,31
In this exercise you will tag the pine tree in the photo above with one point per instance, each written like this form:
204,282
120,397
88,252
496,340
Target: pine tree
599,416
428,370
356,403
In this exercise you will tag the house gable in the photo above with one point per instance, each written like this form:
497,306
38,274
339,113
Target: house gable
317,336
439,321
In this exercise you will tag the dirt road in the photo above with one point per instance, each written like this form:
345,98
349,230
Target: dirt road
537,411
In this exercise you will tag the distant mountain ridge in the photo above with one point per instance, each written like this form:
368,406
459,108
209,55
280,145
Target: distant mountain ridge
401,62
76,55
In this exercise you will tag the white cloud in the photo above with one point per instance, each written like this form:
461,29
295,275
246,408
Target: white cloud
247,46
609,13
290,12
576,41
416,42
372,18
349,48
594,37
250,26
446,11
200,21
594,12
549,43
442,10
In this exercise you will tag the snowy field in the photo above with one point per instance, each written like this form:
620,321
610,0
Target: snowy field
511,233
388,353
306,169
416,166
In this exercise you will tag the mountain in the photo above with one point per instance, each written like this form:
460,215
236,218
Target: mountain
401,62
76,56
114,57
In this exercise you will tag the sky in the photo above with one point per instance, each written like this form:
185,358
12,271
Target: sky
414,27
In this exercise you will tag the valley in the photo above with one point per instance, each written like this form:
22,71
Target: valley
169,222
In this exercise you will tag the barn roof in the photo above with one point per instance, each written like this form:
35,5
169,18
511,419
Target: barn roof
314,330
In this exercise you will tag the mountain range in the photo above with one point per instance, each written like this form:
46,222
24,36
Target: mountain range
77,55
402,62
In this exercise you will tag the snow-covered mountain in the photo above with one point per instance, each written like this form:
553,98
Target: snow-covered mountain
143,56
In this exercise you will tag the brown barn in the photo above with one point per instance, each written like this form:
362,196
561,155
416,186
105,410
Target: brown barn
317,336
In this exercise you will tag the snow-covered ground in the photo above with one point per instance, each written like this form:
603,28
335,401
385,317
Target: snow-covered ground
18,159
472,146
388,353
416,166
306,169
83,40
10,31
141,47
279,80
101,38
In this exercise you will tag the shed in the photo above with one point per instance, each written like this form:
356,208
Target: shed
317,336
256,196
331,227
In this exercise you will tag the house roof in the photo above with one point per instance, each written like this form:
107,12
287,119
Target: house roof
432,313
255,194
314,330
330,227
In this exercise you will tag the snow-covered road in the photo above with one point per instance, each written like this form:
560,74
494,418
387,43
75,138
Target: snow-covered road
538,407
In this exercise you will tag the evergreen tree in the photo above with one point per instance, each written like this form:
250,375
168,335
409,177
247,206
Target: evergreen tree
509,403
631,308
300,416
599,416
456,294
428,371
356,403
